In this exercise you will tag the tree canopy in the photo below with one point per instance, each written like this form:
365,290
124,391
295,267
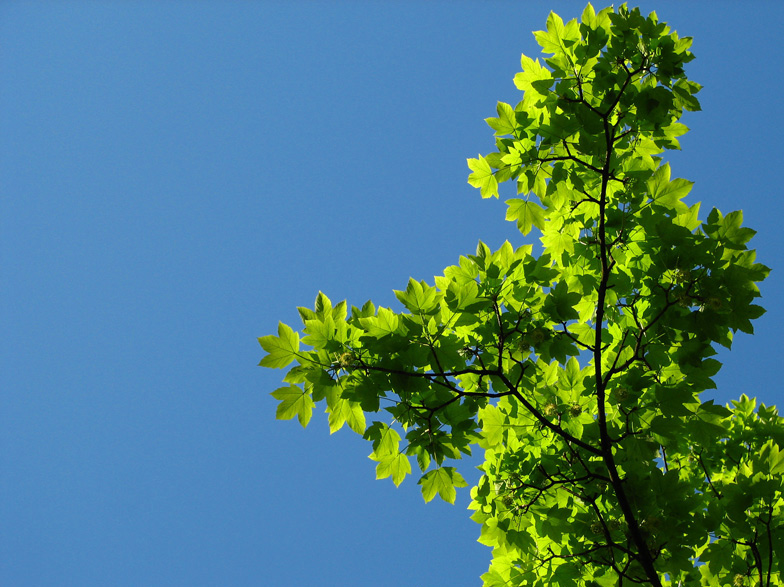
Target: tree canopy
577,366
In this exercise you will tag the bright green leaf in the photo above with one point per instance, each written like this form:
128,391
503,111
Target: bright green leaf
293,402
442,481
669,193
282,349
383,324
397,466
505,123
346,412
526,213
493,425
482,177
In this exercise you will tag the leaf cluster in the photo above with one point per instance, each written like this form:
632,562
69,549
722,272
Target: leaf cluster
578,371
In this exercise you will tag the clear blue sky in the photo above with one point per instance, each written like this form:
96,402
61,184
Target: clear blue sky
176,177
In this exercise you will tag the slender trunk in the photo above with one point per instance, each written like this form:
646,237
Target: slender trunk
643,553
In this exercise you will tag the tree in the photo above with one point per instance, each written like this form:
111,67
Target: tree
577,368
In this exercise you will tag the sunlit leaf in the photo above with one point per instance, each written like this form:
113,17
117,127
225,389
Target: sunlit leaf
293,402
282,349
442,481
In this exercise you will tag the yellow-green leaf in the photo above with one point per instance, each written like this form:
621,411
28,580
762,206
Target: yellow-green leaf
282,349
344,411
493,425
527,214
398,466
482,177
442,481
293,402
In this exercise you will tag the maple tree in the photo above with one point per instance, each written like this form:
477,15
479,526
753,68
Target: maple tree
577,369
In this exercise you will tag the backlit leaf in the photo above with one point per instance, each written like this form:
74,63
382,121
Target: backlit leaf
282,349
293,402
442,481
397,466
526,213
482,177
669,193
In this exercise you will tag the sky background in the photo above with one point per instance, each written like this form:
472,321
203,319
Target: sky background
177,177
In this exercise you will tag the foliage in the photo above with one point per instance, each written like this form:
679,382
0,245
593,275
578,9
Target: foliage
578,370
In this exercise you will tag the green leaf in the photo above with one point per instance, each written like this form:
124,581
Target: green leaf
386,440
318,332
559,240
565,574
539,269
669,193
442,481
550,40
776,462
306,314
526,213
505,123
367,310
344,411
684,92
463,297
588,16
323,305
493,423
482,177
560,303
534,79
293,402
689,219
383,324
732,231
419,297
560,347
397,466
282,349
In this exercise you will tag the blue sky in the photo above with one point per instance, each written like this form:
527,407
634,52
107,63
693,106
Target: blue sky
176,177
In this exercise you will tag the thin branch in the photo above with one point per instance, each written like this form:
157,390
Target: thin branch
770,542
707,476
544,421
575,339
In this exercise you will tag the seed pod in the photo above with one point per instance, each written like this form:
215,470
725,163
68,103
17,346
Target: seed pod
537,336
346,360
714,304
621,393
